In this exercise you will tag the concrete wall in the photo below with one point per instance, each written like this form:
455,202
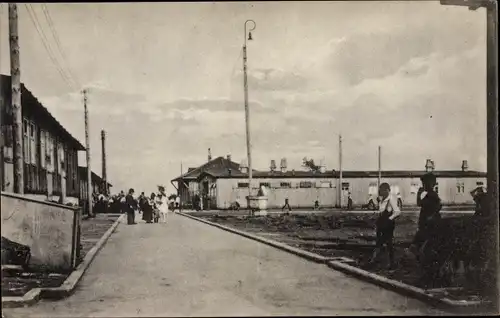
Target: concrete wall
48,229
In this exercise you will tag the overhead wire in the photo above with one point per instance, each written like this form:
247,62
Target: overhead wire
39,29
50,22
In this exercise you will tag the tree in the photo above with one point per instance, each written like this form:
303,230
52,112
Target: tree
172,196
309,163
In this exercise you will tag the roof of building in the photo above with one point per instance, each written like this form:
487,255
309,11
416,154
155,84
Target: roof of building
222,168
95,176
29,100
216,167
351,174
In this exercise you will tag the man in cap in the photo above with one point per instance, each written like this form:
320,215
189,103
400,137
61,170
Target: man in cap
130,207
430,207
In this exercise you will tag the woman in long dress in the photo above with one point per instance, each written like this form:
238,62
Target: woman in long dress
162,203
147,211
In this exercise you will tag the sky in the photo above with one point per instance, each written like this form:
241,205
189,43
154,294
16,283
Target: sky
165,82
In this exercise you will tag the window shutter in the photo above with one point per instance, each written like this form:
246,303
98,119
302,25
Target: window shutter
33,150
43,151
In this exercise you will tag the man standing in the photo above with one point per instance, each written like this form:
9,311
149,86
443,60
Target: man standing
287,205
130,206
430,207
388,212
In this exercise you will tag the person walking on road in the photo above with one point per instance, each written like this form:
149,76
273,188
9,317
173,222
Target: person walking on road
130,206
385,224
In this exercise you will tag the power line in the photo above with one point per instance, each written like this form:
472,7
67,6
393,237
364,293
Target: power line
39,29
50,22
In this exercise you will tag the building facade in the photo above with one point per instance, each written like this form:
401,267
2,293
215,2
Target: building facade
50,152
221,182
97,183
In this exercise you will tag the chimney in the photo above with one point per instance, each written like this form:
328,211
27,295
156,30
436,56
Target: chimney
273,166
322,166
209,154
429,165
244,166
283,165
465,165
228,157
104,174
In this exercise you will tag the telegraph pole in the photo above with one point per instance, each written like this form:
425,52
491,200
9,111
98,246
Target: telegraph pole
87,144
490,241
340,172
104,170
17,114
492,139
180,193
379,165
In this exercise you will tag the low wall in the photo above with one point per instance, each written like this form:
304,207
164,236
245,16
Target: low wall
48,229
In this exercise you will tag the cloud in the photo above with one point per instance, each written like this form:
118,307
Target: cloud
270,79
371,55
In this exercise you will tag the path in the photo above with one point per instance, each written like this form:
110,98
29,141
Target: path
187,268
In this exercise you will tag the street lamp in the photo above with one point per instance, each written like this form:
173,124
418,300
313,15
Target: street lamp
248,32
492,125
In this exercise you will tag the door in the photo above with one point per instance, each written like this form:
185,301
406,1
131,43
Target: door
205,195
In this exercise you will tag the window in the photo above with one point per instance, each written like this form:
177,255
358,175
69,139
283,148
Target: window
265,184
26,143
60,155
345,186
33,144
325,184
414,187
305,184
285,185
242,184
43,151
460,187
49,152
480,183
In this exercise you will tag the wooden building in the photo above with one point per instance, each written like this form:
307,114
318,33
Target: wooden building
50,151
97,183
221,182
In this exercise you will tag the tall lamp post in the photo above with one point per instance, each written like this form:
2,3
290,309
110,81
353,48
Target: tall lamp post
248,33
491,241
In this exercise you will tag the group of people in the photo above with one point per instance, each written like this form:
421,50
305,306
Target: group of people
428,200
154,209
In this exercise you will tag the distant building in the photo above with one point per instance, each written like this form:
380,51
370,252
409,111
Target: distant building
50,151
97,183
220,182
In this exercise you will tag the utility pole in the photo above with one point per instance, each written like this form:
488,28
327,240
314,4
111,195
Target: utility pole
180,193
490,240
104,170
379,166
492,139
87,146
247,110
17,113
340,172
